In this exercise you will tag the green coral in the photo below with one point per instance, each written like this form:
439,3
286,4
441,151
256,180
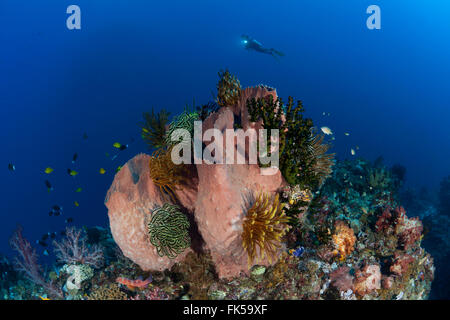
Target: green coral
154,128
183,121
169,231
228,89
303,158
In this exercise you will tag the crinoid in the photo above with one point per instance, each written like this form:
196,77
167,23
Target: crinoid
228,89
154,128
169,231
264,225
166,174
321,161
183,121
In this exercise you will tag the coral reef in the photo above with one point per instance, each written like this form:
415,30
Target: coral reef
318,228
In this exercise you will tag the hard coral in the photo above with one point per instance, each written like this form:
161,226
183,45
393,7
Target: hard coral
401,263
344,239
110,291
341,279
169,231
395,222
264,225
367,280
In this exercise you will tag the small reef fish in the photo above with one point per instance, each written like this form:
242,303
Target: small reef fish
119,168
71,172
56,211
48,170
48,185
347,134
78,190
11,167
45,252
133,284
69,220
76,203
102,171
75,157
326,130
297,252
41,243
42,298
52,235
120,146
44,237
353,152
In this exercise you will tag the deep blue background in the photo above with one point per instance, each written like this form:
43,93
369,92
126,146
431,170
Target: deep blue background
389,88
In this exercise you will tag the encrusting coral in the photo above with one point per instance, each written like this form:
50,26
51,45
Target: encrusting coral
169,231
110,291
264,225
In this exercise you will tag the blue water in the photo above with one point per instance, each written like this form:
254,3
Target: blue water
388,88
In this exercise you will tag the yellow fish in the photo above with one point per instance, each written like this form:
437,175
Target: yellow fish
145,130
118,168
78,190
76,203
42,298
48,170
347,134
72,172
102,171
352,151
117,145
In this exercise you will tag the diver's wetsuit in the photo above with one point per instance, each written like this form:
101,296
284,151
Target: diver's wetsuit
251,44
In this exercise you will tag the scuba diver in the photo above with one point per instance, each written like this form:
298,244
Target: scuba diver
251,44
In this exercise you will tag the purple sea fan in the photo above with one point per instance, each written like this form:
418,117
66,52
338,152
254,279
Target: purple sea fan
73,249
27,263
